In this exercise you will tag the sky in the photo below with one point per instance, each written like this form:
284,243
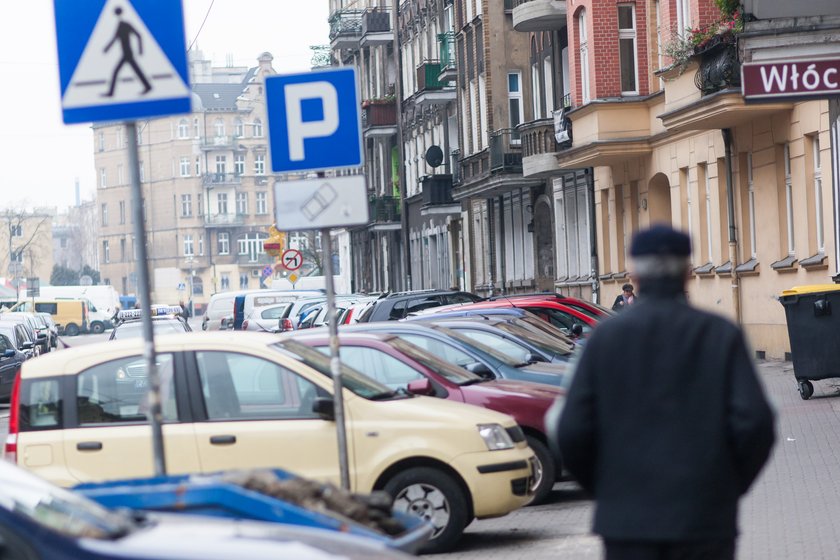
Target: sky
41,158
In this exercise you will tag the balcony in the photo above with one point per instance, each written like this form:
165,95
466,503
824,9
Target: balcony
448,67
711,98
225,142
505,150
384,212
376,27
539,147
539,15
223,220
221,179
494,170
345,29
430,89
379,118
437,194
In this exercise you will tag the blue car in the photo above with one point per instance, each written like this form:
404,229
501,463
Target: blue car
40,521
458,349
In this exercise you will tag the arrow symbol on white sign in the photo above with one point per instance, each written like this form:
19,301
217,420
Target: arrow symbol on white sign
121,41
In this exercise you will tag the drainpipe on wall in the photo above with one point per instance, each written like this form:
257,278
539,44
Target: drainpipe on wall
502,247
593,239
406,257
733,239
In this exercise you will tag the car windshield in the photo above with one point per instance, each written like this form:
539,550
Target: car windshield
499,356
351,379
585,310
452,373
135,328
57,509
538,339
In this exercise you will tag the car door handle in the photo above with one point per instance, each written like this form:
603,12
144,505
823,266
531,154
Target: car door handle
222,440
89,446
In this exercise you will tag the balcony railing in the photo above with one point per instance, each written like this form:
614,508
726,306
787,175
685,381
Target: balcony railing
455,166
345,28
427,76
538,137
437,189
384,209
379,113
215,142
224,220
211,179
719,67
376,21
505,153
447,51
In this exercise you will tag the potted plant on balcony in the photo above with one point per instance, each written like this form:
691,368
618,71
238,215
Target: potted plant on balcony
698,40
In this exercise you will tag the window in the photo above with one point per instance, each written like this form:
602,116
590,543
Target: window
239,128
241,203
183,129
185,166
103,178
818,197
197,166
219,127
376,364
627,47
196,128
200,246
122,250
708,197
200,205
101,142
515,104
683,17
122,212
243,281
751,206
104,214
224,243
443,350
584,56
548,78
41,406
238,386
262,205
251,244
239,164
221,165
225,281
188,246
259,164
17,230
222,203
258,128
186,205
106,252
117,391
789,200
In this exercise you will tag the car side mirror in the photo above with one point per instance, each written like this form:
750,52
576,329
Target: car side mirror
27,345
534,358
324,407
9,353
577,329
480,369
42,336
421,387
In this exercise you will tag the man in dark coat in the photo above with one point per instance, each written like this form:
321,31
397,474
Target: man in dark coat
665,422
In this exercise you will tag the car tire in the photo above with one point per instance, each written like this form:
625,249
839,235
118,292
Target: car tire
97,327
433,495
72,329
544,479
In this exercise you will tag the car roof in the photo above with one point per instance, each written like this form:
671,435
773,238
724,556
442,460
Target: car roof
72,360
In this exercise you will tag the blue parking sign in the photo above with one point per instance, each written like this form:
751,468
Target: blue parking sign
314,120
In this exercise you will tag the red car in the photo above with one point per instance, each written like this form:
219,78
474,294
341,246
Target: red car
563,313
406,367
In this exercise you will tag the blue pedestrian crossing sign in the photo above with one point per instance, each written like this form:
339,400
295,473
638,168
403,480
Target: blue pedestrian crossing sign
121,59
314,120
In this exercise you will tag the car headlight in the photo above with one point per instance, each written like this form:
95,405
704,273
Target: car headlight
495,437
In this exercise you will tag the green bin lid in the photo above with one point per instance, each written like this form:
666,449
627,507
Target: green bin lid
813,288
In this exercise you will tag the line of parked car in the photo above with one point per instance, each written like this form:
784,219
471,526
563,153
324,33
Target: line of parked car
23,335
445,397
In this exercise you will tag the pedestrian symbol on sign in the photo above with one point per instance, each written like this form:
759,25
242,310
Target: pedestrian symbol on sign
124,32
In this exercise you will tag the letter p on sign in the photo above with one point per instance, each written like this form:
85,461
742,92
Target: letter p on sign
314,121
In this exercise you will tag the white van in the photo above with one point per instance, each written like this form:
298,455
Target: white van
219,307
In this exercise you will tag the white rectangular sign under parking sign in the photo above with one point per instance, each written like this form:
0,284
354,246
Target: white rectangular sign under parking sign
321,203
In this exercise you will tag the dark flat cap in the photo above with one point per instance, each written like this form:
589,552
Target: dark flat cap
660,240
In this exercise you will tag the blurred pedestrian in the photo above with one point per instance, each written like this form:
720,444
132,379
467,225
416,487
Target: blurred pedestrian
665,423
185,311
625,299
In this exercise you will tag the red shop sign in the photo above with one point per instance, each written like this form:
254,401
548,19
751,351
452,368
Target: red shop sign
791,78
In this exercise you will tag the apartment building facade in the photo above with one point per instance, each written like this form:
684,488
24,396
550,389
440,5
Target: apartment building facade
207,190
660,117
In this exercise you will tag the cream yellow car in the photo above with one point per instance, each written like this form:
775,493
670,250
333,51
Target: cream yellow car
79,415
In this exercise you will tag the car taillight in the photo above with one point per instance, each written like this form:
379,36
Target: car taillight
245,325
10,449
286,325
347,319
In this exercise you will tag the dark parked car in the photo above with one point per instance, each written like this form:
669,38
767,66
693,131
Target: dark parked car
33,328
402,366
398,305
19,337
10,360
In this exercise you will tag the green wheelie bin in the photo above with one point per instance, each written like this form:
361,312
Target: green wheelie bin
813,322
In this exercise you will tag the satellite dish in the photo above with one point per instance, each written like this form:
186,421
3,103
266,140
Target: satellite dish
434,156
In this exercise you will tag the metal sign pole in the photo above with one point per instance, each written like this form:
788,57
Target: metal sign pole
335,362
144,294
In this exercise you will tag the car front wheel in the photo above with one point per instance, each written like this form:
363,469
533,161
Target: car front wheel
434,496
545,471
